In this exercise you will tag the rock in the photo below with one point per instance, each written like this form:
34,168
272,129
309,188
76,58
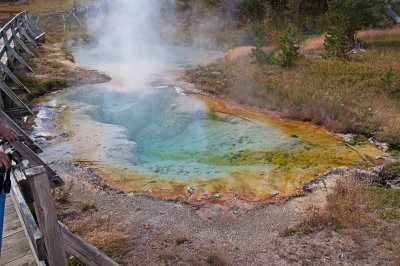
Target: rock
308,188
190,190
216,73
347,137
275,193
215,209
218,195
383,146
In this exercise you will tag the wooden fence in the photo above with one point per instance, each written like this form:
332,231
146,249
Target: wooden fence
50,239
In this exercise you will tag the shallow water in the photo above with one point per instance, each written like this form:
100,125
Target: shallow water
161,140
171,143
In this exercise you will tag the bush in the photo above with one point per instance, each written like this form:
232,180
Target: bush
289,43
336,41
390,81
260,56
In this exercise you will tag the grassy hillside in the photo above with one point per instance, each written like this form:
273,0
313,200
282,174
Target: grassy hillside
361,95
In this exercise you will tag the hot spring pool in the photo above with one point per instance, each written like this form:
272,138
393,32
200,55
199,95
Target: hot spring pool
172,144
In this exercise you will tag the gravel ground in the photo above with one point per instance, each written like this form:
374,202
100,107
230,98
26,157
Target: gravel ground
236,233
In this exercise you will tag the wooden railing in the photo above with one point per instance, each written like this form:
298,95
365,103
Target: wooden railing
49,238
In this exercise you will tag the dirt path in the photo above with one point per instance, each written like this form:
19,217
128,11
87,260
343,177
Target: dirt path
314,44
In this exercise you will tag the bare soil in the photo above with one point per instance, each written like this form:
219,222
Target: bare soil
174,233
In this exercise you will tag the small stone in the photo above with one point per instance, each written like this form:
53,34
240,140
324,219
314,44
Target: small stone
218,195
275,193
190,190
307,188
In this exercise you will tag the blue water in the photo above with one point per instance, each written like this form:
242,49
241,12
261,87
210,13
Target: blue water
169,134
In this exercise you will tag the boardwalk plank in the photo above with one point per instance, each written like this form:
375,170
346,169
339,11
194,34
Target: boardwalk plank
13,240
15,253
11,229
11,216
16,249
27,260
8,202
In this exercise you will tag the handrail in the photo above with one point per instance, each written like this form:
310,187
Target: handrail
49,238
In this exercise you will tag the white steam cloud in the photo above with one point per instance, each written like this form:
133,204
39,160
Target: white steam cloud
132,39
127,42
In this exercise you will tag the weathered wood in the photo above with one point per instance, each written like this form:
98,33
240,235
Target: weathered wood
41,38
23,46
28,154
6,45
27,260
31,24
13,97
83,250
46,215
4,118
15,253
15,242
11,75
12,53
1,100
32,230
16,112
11,228
11,217
25,34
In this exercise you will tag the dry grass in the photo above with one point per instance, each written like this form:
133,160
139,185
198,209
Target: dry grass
110,237
345,206
344,96
366,214
48,15
38,6
62,195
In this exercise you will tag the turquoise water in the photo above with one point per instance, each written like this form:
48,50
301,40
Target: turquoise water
171,134
142,136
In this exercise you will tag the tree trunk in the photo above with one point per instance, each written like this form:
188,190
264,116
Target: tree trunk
351,39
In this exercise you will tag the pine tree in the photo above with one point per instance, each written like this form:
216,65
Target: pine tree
344,18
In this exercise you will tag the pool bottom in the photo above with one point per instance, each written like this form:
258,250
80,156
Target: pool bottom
284,173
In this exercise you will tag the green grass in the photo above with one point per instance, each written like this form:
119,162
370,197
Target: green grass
377,198
39,87
389,215
72,261
299,231
87,207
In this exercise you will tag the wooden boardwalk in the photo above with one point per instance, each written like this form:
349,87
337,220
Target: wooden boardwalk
16,249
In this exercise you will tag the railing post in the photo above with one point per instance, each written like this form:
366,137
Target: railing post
46,215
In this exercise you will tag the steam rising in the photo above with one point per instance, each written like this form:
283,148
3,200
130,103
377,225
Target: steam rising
127,42
132,39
